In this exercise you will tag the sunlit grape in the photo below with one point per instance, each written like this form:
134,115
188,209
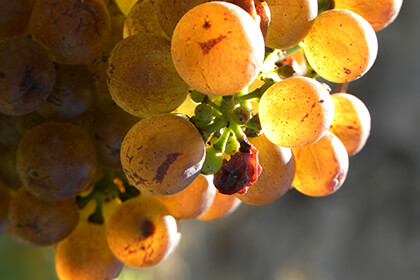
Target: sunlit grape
222,206
296,112
163,154
290,21
341,46
322,167
217,48
351,122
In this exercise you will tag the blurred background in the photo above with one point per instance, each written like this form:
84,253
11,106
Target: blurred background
369,229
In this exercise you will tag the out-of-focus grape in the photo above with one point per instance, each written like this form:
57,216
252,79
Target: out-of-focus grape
296,112
322,167
14,17
217,48
351,122
162,155
341,46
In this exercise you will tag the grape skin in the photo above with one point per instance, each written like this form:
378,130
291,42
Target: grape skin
162,155
223,205
322,167
144,82
217,48
296,112
341,46
351,122
278,170
290,22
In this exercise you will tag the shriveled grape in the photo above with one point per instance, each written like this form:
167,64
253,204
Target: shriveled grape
56,161
351,122
296,112
142,78
278,171
217,48
341,46
322,167
141,232
162,155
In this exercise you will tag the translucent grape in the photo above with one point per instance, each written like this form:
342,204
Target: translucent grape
141,232
27,75
162,155
341,46
191,202
222,206
322,167
278,171
296,112
290,22
217,48
39,222
378,13
56,161
142,79
71,31
85,255
351,122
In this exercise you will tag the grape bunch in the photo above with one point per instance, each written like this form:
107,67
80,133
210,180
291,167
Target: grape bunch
120,119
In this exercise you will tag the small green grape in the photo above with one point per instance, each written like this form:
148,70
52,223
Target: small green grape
197,96
204,112
232,145
213,161
241,115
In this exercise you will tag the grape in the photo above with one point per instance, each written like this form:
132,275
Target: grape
143,18
14,17
378,13
56,161
162,155
39,222
107,125
290,22
98,65
278,170
28,121
191,202
71,31
222,206
351,122
170,12
4,207
296,112
341,46
27,75
85,255
217,48
142,79
322,167
141,232
73,94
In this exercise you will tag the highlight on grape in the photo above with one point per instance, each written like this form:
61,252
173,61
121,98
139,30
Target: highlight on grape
122,119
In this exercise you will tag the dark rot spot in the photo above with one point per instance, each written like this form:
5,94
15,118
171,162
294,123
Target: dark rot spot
207,46
163,168
206,24
347,71
2,75
147,228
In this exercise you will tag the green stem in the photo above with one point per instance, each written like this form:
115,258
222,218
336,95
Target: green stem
237,130
221,142
256,94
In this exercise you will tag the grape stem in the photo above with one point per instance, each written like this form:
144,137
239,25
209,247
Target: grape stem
342,87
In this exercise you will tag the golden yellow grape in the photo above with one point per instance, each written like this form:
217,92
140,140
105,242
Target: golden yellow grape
296,112
341,46
141,232
278,170
222,206
351,122
290,22
85,255
379,13
143,18
217,48
162,155
322,167
192,201
142,79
